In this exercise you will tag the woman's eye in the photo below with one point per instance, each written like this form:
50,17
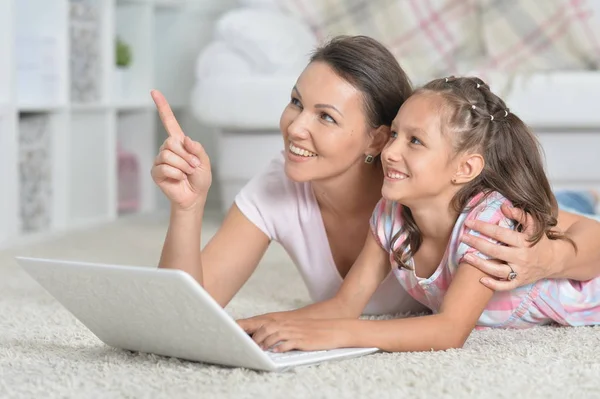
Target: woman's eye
327,117
296,102
414,140
394,135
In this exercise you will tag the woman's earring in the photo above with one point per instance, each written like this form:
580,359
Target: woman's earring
369,158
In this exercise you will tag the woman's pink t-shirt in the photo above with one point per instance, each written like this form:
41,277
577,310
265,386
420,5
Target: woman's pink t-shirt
287,212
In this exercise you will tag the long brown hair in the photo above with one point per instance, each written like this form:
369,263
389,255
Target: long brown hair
372,69
478,120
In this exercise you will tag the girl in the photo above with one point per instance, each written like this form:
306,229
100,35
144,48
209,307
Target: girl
455,156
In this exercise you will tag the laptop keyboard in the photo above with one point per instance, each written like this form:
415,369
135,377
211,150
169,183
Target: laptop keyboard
291,354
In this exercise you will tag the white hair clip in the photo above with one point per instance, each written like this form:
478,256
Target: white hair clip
491,117
505,113
478,85
446,80
473,106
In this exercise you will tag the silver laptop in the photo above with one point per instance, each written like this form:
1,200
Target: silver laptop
161,311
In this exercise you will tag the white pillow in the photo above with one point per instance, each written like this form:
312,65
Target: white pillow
218,58
271,41
259,3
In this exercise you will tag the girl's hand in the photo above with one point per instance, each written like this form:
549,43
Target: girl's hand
182,167
252,324
530,263
305,335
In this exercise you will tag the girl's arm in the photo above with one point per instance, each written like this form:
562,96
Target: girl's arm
463,304
369,270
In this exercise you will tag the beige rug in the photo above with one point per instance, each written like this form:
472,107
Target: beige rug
46,352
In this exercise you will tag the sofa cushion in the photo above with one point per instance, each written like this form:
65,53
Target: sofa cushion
246,102
218,58
271,41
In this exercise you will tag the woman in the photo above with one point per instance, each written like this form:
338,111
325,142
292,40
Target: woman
316,198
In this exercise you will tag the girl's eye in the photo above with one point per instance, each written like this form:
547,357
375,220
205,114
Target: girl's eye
394,135
296,102
327,118
414,140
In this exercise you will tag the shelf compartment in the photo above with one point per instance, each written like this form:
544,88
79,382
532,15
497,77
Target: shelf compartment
90,155
136,139
86,58
41,172
6,49
40,48
8,179
132,84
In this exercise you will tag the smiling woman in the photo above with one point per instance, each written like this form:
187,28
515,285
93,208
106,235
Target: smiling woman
317,197
334,138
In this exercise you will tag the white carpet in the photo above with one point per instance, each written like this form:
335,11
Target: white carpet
46,352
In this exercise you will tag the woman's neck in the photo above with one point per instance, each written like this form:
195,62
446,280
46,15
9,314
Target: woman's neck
354,192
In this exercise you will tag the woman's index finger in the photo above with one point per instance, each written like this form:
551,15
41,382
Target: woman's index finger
166,115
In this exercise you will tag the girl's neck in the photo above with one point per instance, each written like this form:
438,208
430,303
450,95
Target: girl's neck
435,219
354,192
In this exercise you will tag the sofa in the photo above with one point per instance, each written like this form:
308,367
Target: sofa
244,77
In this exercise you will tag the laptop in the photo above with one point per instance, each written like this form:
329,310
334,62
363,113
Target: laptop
161,311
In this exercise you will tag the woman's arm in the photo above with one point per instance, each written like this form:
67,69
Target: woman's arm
227,260
182,170
584,264
547,259
463,304
369,270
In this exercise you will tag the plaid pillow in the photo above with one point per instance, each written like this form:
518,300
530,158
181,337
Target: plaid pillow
429,38
433,38
527,36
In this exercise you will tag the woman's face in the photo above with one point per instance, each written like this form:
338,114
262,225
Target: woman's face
324,126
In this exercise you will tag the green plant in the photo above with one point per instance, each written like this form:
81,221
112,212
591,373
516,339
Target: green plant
123,53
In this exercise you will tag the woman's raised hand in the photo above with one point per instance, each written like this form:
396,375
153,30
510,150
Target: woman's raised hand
182,168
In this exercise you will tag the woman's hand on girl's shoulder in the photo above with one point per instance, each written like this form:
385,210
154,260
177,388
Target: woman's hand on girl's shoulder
515,253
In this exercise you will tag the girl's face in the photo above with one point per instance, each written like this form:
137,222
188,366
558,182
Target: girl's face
417,160
324,126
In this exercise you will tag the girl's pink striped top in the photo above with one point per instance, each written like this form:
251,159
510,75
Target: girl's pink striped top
566,302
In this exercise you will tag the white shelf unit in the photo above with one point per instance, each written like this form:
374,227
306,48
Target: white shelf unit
66,113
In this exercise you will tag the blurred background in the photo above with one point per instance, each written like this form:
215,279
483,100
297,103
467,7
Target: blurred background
79,131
